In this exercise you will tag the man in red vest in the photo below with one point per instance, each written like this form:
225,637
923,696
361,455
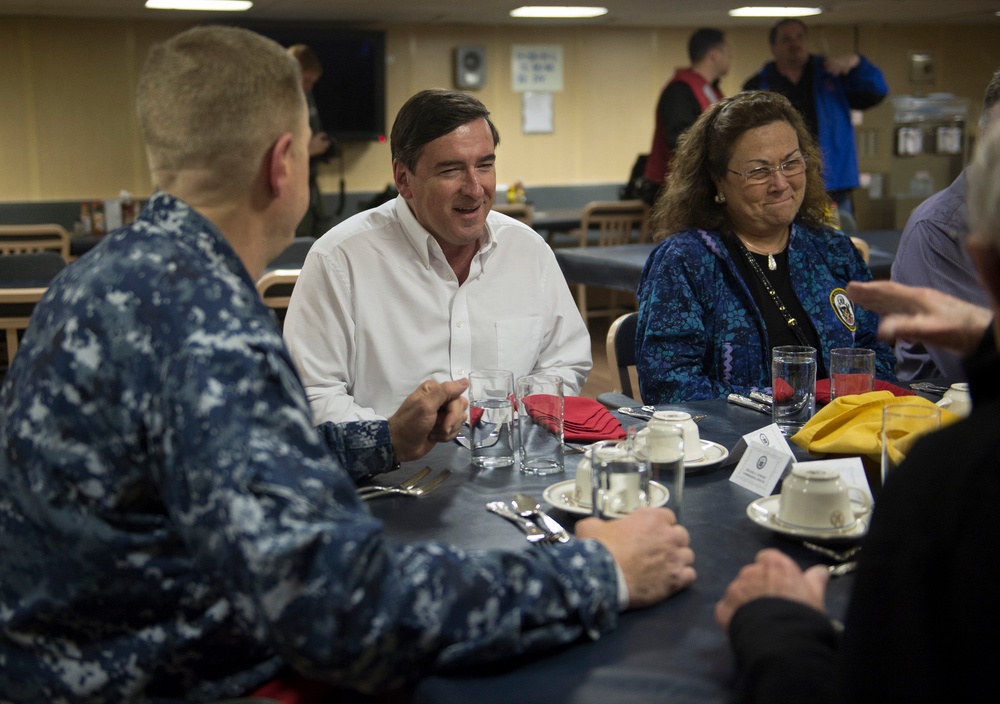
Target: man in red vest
683,99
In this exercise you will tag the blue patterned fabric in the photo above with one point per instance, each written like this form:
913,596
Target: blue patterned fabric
173,528
700,333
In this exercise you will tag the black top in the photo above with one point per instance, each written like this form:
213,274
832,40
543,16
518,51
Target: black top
800,94
778,332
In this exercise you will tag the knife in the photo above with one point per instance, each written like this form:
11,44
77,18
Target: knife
747,403
531,531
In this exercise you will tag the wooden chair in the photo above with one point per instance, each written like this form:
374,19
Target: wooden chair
519,211
621,353
615,222
275,289
16,239
16,305
862,246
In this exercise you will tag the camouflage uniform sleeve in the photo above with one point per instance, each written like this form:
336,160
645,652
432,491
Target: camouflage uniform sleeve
263,505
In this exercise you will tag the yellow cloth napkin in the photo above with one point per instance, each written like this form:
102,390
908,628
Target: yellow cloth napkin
852,425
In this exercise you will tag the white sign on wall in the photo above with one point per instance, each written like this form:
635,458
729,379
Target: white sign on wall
537,67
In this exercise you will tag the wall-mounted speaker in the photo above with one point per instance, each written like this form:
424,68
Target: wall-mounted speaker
470,67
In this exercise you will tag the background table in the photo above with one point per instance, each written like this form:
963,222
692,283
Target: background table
671,652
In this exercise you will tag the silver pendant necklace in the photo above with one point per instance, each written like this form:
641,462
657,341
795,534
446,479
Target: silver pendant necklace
772,265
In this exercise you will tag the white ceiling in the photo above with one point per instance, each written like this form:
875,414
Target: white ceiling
623,13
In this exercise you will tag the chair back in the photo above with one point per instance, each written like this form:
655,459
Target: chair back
17,239
615,221
16,305
30,269
275,289
621,351
862,246
519,211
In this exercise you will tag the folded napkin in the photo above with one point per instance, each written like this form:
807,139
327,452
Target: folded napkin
823,389
852,425
587,420
584,419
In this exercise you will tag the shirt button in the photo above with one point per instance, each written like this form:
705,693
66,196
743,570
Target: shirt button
459,372
458,324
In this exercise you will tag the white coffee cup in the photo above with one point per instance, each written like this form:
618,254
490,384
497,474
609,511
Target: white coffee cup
693,451
957,399
817,498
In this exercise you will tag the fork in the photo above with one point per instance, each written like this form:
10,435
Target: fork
833,554
421,490
405,484
928,387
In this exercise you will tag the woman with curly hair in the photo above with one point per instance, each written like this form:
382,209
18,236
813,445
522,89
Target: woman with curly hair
748,261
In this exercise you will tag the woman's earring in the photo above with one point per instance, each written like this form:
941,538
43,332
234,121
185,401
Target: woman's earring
720,199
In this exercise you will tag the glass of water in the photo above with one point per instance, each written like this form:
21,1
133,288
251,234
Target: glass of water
793,385
491,418
540,415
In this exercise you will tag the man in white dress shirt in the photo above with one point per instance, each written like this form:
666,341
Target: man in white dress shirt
433,284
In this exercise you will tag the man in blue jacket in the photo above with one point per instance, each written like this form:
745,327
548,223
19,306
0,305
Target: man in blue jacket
824,90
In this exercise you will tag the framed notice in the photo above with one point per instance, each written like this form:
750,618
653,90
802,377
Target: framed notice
537,67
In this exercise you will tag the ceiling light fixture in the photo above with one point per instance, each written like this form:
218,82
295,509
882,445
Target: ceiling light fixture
559,12
775,11
202,5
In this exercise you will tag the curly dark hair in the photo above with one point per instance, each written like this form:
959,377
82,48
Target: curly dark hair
705,150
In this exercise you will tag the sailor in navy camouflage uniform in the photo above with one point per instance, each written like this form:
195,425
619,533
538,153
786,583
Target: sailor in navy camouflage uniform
172,526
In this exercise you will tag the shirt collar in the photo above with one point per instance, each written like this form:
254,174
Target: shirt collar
423,242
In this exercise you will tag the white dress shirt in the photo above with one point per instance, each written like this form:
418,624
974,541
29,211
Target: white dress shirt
377,309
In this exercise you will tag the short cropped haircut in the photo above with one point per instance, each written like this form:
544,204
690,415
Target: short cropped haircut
215,98
984,191
772,37
431,114
704,151
990,98
703,41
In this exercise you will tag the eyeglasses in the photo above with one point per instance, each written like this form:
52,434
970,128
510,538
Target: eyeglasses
763,174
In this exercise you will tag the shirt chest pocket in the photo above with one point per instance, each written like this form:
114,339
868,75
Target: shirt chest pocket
518,341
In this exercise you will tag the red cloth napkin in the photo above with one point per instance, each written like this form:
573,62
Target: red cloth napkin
584,419
823,389
587,420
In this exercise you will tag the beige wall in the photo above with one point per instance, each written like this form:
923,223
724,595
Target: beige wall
67,130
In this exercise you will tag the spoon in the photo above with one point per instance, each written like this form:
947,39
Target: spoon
528,507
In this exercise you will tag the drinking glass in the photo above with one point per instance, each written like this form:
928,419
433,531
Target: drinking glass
491,418
665,452
793,385
621,479
540,415
903,425
852,371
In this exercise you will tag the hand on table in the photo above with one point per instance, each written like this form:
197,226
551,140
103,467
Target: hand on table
926,315
773,573
433,413
651,549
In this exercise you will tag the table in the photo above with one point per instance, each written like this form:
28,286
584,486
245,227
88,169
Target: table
673,651
618,267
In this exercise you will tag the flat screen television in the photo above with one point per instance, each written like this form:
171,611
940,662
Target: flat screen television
350,96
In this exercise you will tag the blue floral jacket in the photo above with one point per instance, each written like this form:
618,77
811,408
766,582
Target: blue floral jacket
173,527
700,333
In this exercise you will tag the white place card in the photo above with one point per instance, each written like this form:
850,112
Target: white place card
764,456
769,436
852,472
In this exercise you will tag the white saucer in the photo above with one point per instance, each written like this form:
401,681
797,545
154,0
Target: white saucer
714,453
560,495
764,512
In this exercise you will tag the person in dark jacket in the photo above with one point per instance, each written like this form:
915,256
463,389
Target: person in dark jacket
824,90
